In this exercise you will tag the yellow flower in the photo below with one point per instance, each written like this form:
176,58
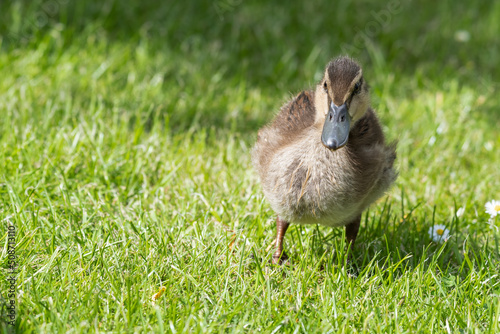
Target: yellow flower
158,295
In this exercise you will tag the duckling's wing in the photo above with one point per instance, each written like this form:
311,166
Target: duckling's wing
296,115
293,118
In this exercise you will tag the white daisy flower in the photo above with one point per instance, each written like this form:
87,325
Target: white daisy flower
492,208
439,233
462,36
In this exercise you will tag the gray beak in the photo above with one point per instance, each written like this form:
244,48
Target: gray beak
336,127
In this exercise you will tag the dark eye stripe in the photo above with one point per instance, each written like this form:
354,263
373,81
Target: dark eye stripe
357,87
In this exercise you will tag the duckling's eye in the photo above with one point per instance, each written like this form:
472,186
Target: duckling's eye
357,87
325,86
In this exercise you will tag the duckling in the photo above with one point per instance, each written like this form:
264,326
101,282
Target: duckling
323,159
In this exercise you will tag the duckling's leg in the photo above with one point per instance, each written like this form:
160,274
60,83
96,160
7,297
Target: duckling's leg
279,255
351,231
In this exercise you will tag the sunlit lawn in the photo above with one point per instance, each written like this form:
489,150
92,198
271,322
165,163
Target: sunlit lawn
125,137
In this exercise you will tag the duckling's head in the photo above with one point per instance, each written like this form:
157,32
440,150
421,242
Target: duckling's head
341,99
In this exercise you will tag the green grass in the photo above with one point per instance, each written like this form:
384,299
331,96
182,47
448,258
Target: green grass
125,137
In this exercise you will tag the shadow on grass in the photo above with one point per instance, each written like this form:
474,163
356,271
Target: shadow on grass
437,35
280,48
389,239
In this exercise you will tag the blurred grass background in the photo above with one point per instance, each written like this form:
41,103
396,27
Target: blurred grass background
125,136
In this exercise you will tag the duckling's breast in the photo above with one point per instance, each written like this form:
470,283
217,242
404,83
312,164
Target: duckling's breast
306,183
